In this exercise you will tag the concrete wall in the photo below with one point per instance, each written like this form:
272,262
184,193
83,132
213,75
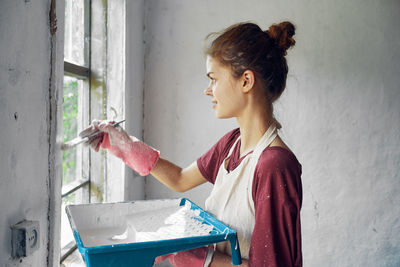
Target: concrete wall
29,171
340,113
31,72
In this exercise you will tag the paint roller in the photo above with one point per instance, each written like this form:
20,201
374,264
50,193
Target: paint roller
79,140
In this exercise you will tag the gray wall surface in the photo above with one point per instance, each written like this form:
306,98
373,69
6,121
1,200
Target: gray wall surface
28,119
134,79
340,113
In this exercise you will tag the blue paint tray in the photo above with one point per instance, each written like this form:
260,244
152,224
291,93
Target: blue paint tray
135,233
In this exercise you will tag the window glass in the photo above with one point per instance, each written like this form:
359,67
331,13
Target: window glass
76,160
74,37
70,126
75,117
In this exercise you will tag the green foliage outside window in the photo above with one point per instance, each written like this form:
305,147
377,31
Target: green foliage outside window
70,115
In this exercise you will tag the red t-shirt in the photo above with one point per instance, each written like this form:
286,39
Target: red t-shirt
277,195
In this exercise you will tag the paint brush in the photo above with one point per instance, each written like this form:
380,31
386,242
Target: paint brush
79,140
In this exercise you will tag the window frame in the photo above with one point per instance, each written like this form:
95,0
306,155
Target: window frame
104,72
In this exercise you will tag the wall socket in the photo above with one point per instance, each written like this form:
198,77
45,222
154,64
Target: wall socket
25,238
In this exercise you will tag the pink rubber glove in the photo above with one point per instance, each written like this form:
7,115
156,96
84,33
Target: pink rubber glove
95,141
136,154
193,258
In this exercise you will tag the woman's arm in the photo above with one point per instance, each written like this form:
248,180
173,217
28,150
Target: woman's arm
144,159
176,178
222,260
277,195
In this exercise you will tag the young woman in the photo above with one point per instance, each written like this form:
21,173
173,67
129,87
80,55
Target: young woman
257,179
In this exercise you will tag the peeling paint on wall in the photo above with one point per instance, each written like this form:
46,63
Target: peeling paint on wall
53,18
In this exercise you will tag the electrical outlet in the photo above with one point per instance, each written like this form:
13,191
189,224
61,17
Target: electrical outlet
25,238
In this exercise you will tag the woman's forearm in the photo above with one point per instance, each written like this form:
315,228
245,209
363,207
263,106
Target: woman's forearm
175,177
168,173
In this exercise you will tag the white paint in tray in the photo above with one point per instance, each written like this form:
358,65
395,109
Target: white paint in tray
151,221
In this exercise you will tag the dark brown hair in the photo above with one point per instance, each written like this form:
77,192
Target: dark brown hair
244,46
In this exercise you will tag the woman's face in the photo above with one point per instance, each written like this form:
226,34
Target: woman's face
224,89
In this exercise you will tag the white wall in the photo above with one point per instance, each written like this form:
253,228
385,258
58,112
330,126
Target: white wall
29,170
134,79
340,113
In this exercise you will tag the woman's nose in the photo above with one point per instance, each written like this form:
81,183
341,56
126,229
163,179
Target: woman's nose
208,91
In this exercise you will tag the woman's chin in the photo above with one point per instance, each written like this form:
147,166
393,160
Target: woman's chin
222,116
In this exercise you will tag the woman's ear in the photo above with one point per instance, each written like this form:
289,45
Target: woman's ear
247,81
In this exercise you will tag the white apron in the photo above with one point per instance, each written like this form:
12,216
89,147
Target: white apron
231,199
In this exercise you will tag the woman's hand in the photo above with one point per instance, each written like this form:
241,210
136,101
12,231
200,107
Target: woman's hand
95,141
136,154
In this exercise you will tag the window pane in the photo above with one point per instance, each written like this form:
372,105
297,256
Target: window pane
75,25
70,126
75,118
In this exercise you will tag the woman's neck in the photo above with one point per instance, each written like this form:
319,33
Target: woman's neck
253,123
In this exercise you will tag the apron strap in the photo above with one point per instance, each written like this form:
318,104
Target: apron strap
233,147
265,141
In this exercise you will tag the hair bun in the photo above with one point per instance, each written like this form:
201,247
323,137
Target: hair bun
282,33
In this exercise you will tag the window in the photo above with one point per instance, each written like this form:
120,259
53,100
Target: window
76,183
94,82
